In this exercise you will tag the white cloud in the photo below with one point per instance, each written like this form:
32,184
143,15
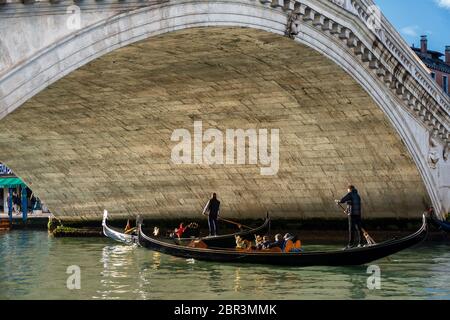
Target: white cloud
443,3
412,31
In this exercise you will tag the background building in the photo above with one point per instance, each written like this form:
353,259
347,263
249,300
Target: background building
23,201
437,62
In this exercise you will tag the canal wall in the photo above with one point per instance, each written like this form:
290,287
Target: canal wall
382,224
311,231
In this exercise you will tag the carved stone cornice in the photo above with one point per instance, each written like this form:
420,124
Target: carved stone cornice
386,55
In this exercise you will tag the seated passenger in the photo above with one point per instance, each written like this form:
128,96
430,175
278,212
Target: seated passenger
279,242
242,243
289,236
292,244
180,230
258,242
266,242
197,244
192,231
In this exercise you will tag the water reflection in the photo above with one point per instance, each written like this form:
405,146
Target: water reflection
237,280
33,266
18,274
436,287
118,260
156,257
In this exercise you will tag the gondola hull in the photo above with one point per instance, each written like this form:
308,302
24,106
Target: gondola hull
222,241
350,257
116,235
442,225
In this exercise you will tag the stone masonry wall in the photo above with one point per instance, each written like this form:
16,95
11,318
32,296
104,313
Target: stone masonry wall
100,137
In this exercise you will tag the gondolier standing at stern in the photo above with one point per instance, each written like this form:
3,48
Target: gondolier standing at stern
212,206
353,201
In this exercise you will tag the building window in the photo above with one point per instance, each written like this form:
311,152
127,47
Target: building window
433,75
445,83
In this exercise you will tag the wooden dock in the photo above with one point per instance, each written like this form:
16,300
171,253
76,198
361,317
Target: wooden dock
4,224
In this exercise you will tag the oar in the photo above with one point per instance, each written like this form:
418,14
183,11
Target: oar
239,225
343,209
130,230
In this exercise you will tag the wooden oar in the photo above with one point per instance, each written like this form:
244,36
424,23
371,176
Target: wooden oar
343,209
239,225
130,230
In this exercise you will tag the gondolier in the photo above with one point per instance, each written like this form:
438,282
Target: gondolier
213,206
353,201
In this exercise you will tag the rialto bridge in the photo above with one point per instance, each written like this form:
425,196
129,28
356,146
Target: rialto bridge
92,91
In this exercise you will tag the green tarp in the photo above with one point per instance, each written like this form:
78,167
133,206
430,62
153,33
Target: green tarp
10,182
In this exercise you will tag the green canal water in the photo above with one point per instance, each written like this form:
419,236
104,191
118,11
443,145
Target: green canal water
34,265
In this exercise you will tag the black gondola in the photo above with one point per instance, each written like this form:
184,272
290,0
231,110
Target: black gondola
354,256
222,241
440,224
117,235
228,240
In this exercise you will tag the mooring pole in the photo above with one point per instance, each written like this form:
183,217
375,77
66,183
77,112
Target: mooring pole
24,204
10,204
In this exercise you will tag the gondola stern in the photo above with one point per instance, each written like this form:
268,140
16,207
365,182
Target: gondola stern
425,221
425,226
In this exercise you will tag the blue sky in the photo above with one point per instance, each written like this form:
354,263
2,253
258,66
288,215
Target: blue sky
412,18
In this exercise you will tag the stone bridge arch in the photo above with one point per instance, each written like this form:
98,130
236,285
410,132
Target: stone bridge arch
349,32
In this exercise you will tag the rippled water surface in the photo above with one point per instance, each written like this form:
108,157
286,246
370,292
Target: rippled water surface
33,266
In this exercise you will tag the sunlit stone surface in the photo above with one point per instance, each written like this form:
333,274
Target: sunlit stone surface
100,137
